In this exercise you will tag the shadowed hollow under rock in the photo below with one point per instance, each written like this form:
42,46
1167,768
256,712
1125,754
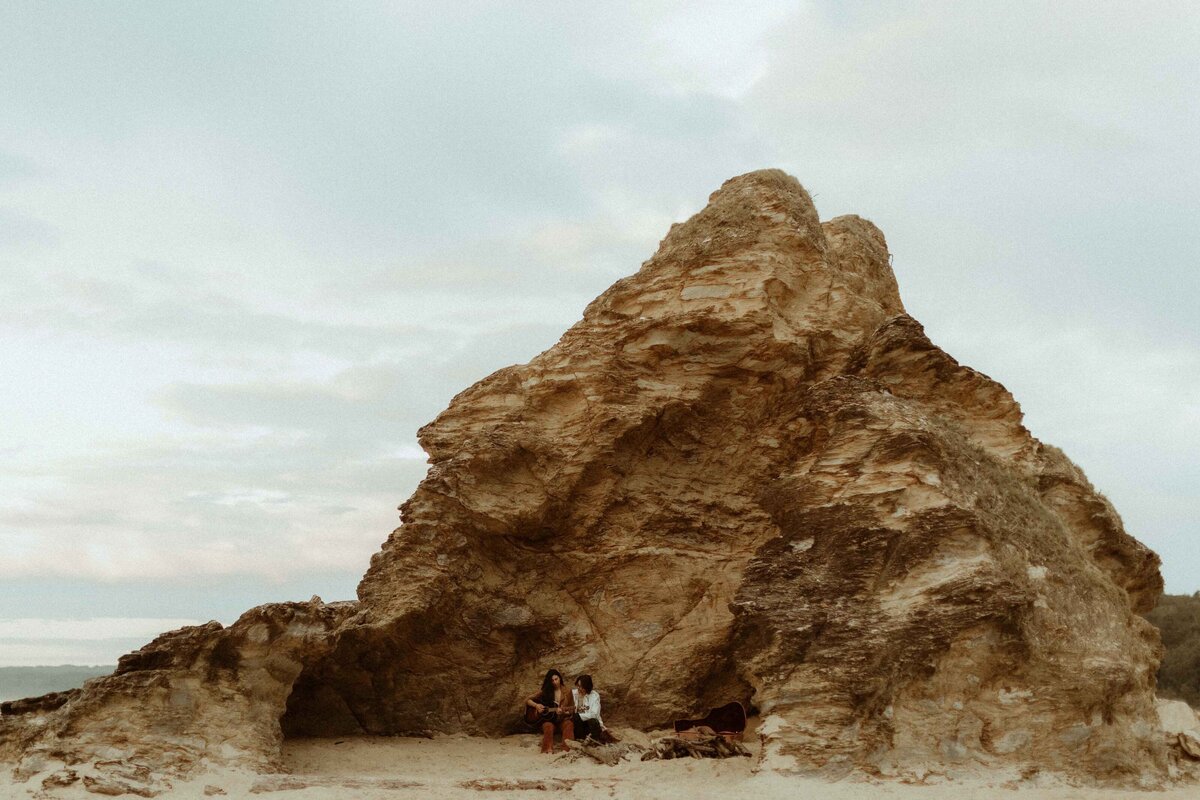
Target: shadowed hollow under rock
745,474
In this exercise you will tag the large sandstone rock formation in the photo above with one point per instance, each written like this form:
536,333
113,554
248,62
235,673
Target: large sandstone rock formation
745,473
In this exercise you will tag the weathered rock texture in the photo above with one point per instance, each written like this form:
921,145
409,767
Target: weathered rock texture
198,694
745,474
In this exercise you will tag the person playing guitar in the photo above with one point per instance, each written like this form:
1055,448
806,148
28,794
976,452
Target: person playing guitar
551,707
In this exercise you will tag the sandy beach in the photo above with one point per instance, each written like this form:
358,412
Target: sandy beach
511,767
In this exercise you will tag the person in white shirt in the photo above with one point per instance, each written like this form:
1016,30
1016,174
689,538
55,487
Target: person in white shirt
587,709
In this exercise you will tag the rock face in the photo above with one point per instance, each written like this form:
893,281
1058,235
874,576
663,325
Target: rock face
745,474
197,694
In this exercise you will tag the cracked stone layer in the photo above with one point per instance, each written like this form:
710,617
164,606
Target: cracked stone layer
745,473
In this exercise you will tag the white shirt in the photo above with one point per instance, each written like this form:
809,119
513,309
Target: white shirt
587,706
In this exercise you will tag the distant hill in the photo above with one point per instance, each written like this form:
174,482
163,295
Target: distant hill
18,682
1177,617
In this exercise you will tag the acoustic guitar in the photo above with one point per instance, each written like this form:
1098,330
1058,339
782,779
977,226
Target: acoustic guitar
727,720
535,717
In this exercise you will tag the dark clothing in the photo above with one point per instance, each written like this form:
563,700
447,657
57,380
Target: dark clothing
549,715
586,727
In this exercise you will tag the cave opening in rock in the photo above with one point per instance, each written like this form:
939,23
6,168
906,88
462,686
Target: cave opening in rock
352,688
315,708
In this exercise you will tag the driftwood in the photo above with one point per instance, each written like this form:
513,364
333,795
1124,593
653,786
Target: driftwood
294,783
607,754
713,746
502,785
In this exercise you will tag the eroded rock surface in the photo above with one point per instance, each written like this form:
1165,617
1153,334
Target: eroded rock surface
204,695
745,474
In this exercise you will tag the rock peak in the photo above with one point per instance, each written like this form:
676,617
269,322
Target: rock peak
744,209
759,249
769,179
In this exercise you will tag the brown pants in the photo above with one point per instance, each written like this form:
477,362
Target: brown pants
568,732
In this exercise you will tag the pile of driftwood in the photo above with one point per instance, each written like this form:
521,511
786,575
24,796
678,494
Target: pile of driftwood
607,754
695,745
691,745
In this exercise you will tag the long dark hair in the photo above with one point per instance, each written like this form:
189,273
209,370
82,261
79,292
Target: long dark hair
548,685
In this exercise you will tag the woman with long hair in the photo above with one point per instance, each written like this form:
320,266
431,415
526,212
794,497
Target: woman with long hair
553,707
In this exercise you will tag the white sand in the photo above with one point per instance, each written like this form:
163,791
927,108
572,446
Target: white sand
512,767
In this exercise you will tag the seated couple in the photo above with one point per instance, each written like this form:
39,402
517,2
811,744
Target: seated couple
575,713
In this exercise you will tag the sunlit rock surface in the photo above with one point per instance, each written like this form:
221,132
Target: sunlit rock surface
745,474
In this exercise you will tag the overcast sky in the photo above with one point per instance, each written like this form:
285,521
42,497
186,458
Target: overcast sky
246,250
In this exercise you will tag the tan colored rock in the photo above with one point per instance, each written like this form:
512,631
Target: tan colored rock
1189,743
745,474
204,694
1176,716
1181,723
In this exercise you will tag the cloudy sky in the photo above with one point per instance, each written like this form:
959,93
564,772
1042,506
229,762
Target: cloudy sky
246,250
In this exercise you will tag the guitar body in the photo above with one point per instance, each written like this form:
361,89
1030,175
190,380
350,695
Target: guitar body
727,719
536,718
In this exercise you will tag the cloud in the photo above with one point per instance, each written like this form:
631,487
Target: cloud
90,629
15,168
381,403
85,653
35,641
154,303
204,506
245,472
20,232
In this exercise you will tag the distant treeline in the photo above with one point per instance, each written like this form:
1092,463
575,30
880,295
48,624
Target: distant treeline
1177,616
19,682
